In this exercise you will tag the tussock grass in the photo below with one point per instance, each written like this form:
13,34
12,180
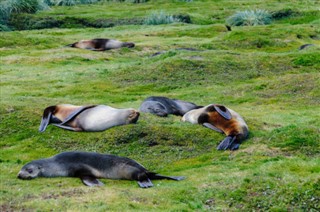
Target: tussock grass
250,18
157,18
69,2
7,7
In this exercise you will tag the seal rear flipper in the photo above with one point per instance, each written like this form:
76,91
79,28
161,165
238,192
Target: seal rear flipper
210,126
91,181
226,143
155,176
145,183
234,146
76,112
68,128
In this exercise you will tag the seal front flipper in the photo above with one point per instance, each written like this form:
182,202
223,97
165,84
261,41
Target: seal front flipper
91,181
210,126
145,183
227,143
222,110
75,113
68,128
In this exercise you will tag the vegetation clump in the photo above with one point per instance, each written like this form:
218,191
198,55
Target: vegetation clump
284,13
8,7
130,1
157,18
69,2
250,18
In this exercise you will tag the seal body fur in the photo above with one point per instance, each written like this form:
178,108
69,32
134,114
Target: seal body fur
90,166
87,118
101,44
223,120
163,106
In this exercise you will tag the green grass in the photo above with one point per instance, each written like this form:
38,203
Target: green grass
257,70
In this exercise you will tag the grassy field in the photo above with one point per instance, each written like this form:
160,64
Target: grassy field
257,71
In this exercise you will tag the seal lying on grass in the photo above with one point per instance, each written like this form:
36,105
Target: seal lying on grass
223,120
101,44
91,118
162,106
89,166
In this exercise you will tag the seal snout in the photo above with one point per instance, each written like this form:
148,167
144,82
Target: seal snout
22,176
128,44
134,116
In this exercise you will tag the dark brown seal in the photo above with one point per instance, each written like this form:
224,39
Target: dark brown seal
89,166
163,106
101,44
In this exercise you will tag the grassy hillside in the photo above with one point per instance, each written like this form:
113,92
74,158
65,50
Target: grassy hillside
257,71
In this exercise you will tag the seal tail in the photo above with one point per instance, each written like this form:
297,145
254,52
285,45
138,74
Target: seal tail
155,176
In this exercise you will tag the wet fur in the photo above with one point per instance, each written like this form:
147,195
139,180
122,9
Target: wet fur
163,106
101,44
234,127
90,166
86,118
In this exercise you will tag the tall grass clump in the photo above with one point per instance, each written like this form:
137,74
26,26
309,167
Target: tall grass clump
161,17
129,1
8,7
250,18
69,2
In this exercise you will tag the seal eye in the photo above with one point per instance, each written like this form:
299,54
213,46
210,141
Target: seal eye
29,171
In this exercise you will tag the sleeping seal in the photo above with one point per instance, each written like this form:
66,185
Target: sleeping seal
91,118
89,166
101,44
162,106
223,120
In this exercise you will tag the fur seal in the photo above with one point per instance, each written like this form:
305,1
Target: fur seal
305,46
101,44
91,118
223,120
162,106
89,166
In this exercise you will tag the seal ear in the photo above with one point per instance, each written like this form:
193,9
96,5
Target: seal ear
222,110
47,114
91,181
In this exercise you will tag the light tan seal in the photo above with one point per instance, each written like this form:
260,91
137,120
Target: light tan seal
91,118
